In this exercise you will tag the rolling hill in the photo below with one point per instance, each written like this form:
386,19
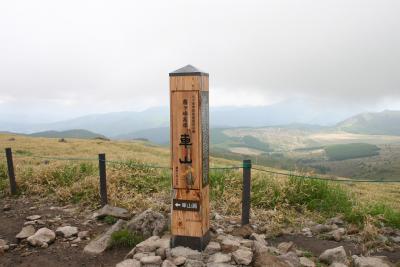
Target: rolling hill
117,124
381,123
75,133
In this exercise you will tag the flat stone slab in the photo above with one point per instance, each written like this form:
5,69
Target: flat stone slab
67,231
26,232
109,210
102,242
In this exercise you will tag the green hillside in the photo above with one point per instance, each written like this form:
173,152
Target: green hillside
382,123
75,133
350,151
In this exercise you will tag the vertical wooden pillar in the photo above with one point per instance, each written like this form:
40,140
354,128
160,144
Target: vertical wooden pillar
11,174
246,191
103,179
189,160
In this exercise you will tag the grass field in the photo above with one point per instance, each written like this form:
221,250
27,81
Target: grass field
277,200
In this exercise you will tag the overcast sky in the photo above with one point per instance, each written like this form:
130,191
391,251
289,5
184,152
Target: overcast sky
61,59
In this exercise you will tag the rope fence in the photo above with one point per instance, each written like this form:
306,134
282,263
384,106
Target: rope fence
243,166
103,162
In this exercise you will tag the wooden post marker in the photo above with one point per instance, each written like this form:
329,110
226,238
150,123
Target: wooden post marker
11,174
189,160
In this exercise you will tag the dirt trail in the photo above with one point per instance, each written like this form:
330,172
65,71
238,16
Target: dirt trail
60,253
63,253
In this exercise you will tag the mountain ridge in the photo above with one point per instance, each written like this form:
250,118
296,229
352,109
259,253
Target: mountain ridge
386,122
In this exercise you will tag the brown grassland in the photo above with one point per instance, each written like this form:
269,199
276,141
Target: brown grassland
277,201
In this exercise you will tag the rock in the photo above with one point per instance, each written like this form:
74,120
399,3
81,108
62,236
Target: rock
168,263
148,223
299,253
161,252
83,234
229,245
40,222
7,207
193,263
151,261
67,231
148,245
334,255
306,262
77,240
337,234
33,217
371,261
217,217
102,242
152,244
4,245
140,255
128,263
179,260
243,256
219,231
244,231
265,259
26,253
212,247
395,239
336,220
290,258
109,210
338,264
42,238
186,252
307,232
259,247
247,243
352,229
215,264
320,228
26,232
285,247
220,257
259,238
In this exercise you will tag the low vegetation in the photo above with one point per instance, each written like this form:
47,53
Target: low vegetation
125,238
351,151
277,200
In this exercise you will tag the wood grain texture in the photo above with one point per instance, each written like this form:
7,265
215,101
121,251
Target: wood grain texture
186,122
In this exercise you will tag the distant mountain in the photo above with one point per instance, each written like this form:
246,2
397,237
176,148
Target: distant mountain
155,135
76,133
118,124
381,123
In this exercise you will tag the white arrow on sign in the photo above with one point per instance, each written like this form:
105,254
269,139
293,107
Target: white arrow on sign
177,205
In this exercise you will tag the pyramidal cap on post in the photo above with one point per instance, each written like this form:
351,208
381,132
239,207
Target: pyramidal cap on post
189,104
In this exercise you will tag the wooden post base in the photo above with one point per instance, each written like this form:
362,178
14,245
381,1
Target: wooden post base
196,243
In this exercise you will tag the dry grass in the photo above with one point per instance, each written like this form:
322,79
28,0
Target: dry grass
141,187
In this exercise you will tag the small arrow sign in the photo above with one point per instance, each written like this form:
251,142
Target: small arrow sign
186,205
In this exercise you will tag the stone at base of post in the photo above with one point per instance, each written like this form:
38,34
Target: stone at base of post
193,242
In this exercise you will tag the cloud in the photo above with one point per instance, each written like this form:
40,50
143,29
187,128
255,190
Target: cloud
102,55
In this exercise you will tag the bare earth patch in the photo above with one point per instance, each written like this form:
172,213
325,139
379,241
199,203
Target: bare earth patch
62,252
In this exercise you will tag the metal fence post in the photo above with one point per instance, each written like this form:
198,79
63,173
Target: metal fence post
11,174
103,179
246,192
